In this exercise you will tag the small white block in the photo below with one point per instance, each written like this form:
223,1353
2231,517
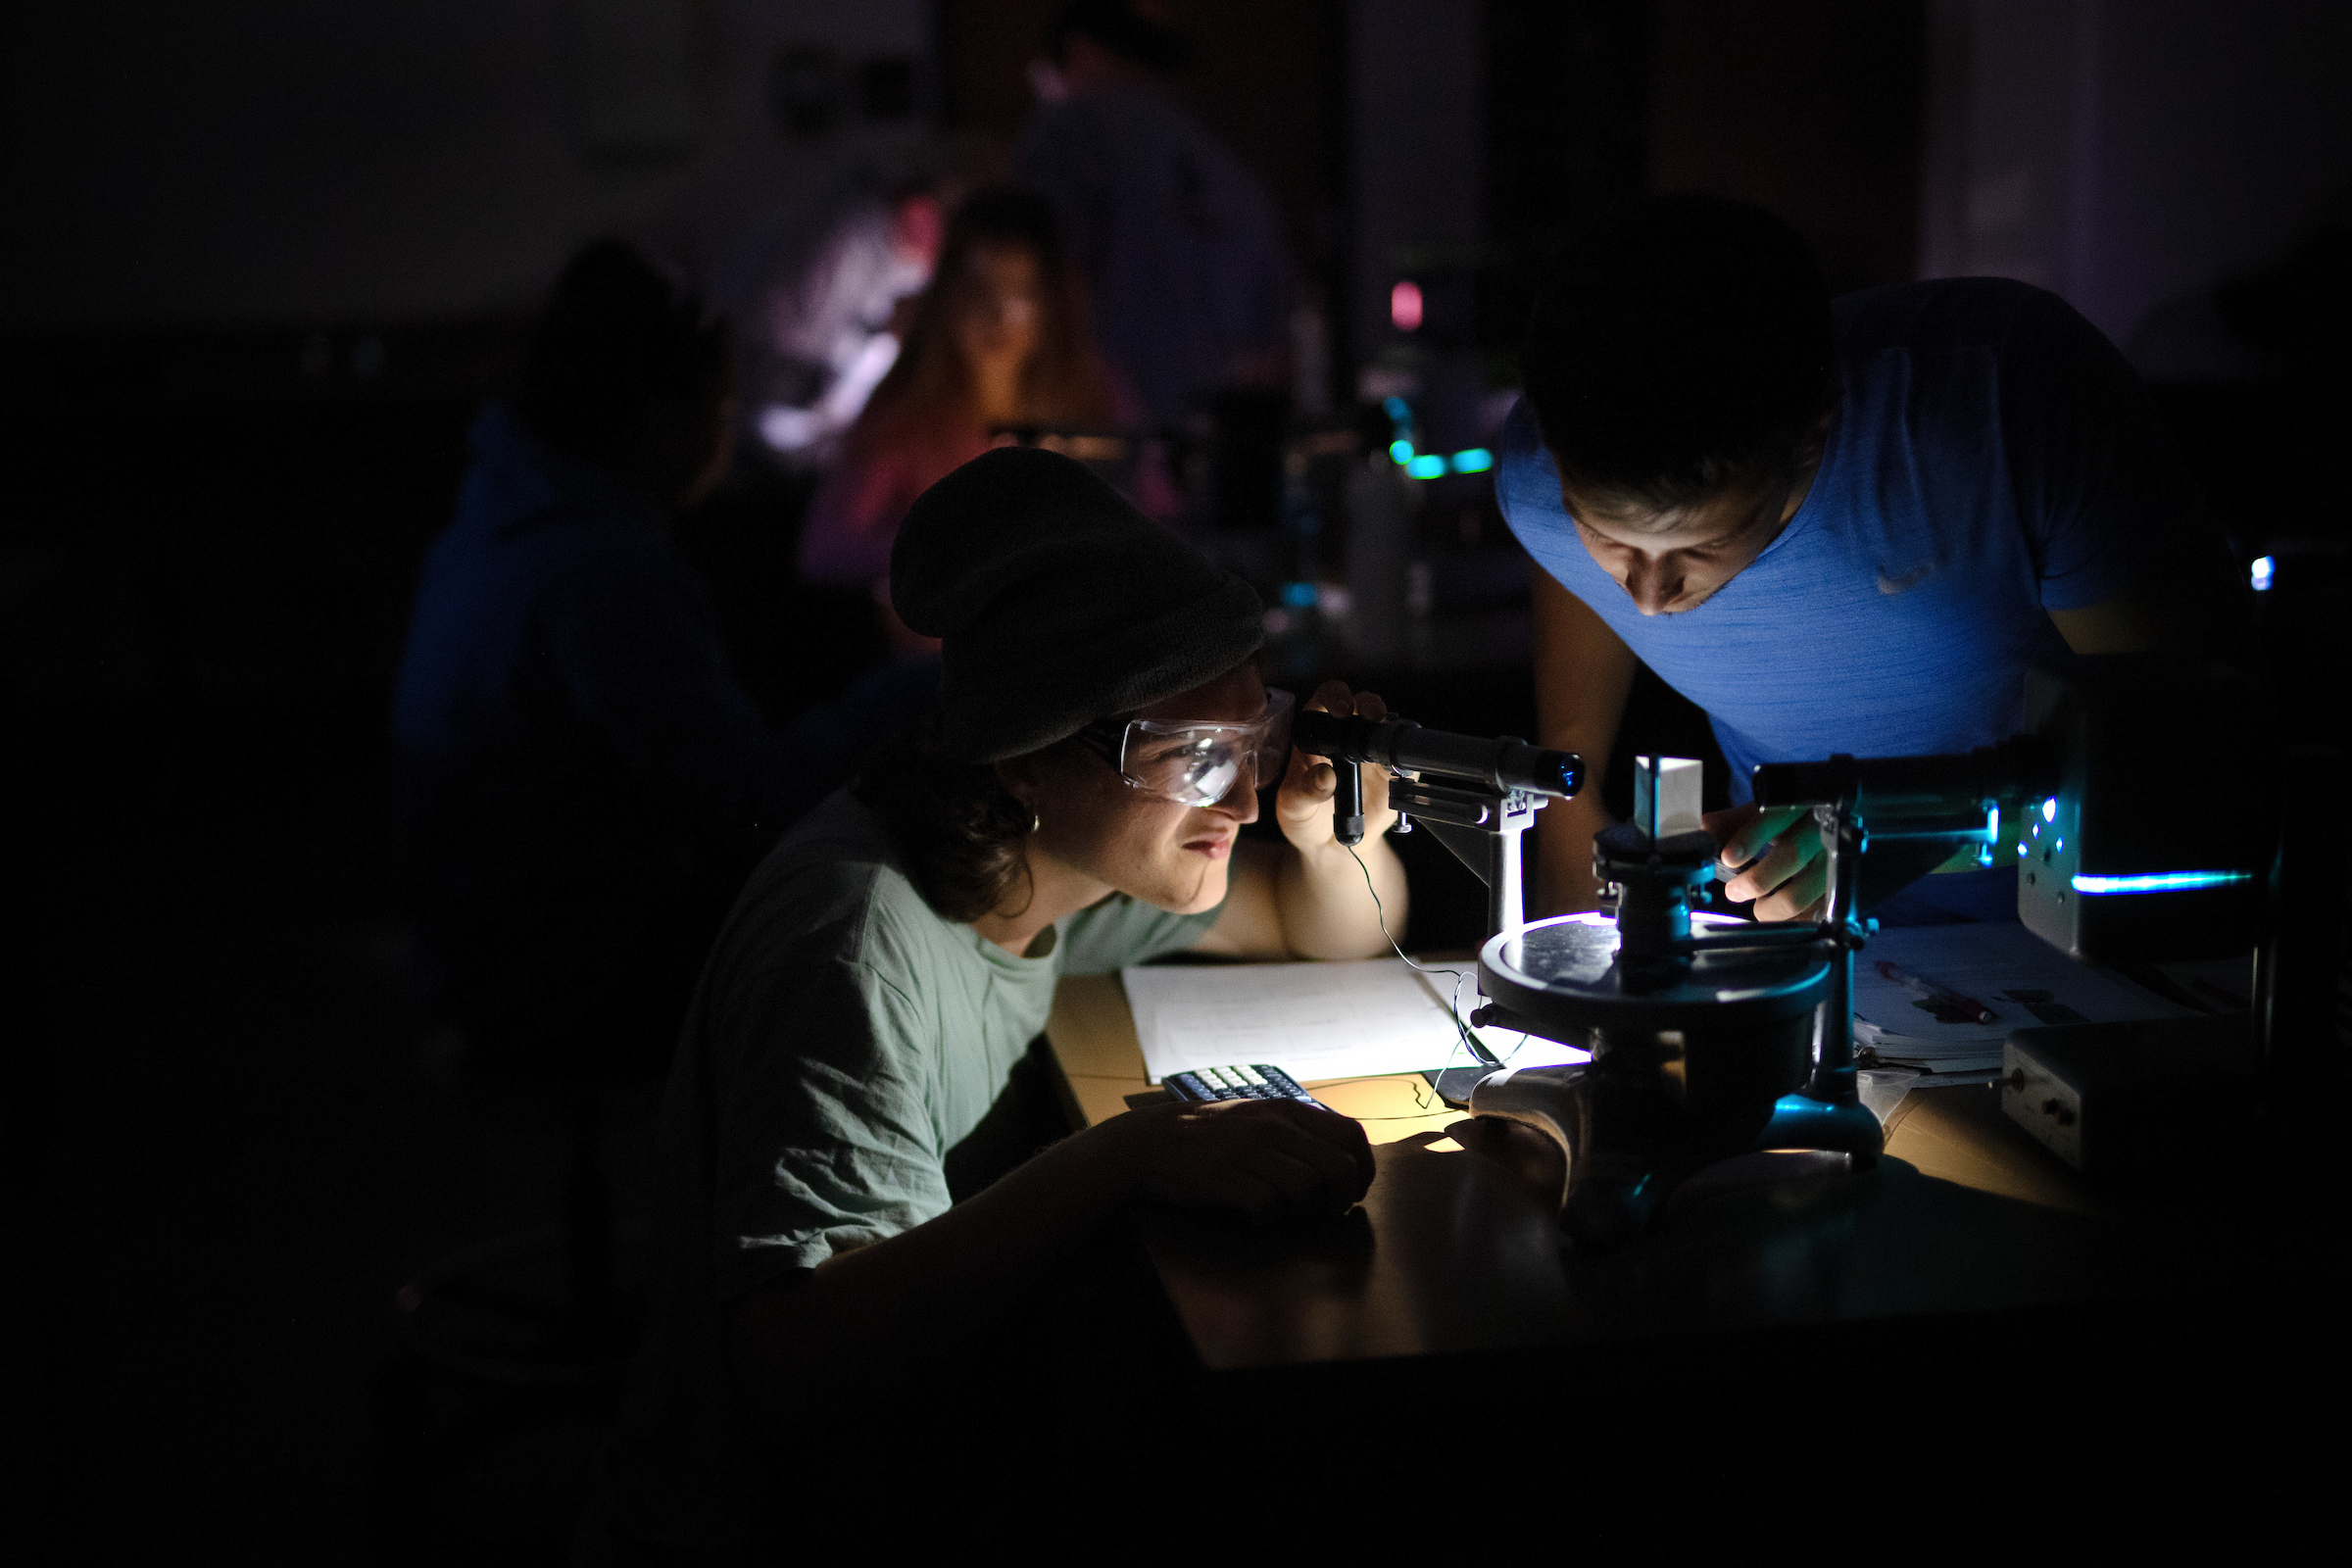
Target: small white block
1666,796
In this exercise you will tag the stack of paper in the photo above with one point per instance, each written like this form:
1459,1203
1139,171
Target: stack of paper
1315,1021
2000,967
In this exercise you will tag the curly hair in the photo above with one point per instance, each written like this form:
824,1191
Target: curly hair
957,826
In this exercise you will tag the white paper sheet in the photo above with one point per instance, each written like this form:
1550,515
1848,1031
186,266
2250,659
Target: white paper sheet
2020,978
1315,1021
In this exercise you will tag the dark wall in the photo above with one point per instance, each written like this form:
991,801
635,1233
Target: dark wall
1811,107
1567,131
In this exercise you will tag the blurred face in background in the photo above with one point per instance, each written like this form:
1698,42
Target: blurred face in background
999,311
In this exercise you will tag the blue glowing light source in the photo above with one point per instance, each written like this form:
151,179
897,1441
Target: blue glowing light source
2060,846
1476,460
2049,809
1993,824
2158,882
2021,849
1298,595
1426,466
2261,573
1397,409
1401,450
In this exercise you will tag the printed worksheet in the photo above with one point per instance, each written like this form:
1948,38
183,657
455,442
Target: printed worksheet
1315,1021
1938,995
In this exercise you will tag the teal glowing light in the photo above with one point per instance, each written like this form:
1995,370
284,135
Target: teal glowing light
2021,849
1402,451
1993,824
1426,466
2049,809
1397,409
2158,882
1476,460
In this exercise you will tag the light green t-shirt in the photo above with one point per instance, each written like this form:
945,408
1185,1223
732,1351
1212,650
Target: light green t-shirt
856,1035
843,1039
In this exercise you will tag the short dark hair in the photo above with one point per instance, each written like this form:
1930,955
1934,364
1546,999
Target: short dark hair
1679,344
1120,26
617,335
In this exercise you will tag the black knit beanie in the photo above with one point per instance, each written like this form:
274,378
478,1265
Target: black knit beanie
1057,603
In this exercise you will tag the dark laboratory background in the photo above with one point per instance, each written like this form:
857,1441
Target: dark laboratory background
266,259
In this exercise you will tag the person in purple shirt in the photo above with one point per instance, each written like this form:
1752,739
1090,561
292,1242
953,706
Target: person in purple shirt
581,783
1838,526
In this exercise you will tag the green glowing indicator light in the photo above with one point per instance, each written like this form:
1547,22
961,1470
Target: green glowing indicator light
2158,882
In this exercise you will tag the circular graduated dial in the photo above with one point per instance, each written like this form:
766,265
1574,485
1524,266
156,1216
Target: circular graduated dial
1565,971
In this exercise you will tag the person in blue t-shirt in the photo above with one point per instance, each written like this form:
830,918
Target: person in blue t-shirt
1844,525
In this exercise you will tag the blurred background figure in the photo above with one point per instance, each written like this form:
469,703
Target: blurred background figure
581,784
1179,242
1000,339
819,336
810,236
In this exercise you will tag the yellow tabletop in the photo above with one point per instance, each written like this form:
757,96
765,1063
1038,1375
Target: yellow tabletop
1955,1135
1094,1041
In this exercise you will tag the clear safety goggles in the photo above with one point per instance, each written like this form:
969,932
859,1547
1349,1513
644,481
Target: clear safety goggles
1195,763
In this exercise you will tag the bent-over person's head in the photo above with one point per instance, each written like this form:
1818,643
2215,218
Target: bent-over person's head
1679,364
1099,714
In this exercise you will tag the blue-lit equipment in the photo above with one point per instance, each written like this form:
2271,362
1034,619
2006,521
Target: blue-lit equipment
2155,881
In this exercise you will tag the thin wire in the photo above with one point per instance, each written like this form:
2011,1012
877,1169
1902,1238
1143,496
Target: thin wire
1465,1040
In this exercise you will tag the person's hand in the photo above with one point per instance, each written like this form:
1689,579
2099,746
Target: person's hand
1268,1158
1303,805
1773,857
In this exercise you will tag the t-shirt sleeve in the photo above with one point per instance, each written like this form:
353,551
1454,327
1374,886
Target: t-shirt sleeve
2097,485
826,1141
1119,931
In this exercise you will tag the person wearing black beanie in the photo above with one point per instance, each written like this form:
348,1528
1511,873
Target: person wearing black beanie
858,1198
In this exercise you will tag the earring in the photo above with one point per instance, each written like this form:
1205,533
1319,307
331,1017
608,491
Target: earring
1034,821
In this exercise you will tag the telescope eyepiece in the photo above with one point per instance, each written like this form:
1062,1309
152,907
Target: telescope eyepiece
1501,762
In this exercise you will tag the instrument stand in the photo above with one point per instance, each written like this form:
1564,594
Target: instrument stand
1485,829
1704,1046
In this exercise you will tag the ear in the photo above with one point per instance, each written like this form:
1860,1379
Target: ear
1021,778
1817,439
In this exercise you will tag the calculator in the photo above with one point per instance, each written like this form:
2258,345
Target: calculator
1261,1082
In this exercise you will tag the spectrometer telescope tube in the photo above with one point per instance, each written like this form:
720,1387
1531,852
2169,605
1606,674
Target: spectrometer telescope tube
1502,762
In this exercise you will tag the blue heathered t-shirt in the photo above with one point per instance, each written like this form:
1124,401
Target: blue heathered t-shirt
1991,459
